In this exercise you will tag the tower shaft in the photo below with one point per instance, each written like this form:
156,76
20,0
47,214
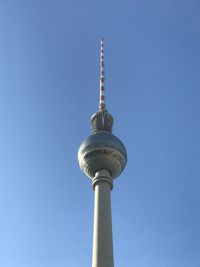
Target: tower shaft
102,235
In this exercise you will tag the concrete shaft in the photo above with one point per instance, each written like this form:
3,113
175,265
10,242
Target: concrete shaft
102,235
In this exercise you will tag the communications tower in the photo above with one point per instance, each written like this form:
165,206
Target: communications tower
102,157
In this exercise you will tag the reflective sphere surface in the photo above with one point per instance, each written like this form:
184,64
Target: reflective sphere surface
102,150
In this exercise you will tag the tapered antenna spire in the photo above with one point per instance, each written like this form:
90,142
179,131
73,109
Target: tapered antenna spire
102,105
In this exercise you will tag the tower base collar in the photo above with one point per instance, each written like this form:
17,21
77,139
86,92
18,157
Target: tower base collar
102,176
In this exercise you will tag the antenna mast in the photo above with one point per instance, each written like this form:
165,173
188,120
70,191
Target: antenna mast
102,105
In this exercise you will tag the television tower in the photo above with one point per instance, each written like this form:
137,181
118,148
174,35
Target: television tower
102,157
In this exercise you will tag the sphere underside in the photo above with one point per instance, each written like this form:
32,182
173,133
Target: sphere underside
102,151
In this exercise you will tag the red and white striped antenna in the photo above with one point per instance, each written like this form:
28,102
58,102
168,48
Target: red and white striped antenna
102,105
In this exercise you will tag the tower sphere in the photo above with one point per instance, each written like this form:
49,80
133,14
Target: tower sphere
102,150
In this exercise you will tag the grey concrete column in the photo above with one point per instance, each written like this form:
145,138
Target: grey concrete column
102,235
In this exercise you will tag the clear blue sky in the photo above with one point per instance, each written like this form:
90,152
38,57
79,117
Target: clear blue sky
49,67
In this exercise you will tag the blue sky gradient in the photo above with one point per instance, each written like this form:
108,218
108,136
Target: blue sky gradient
49,88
